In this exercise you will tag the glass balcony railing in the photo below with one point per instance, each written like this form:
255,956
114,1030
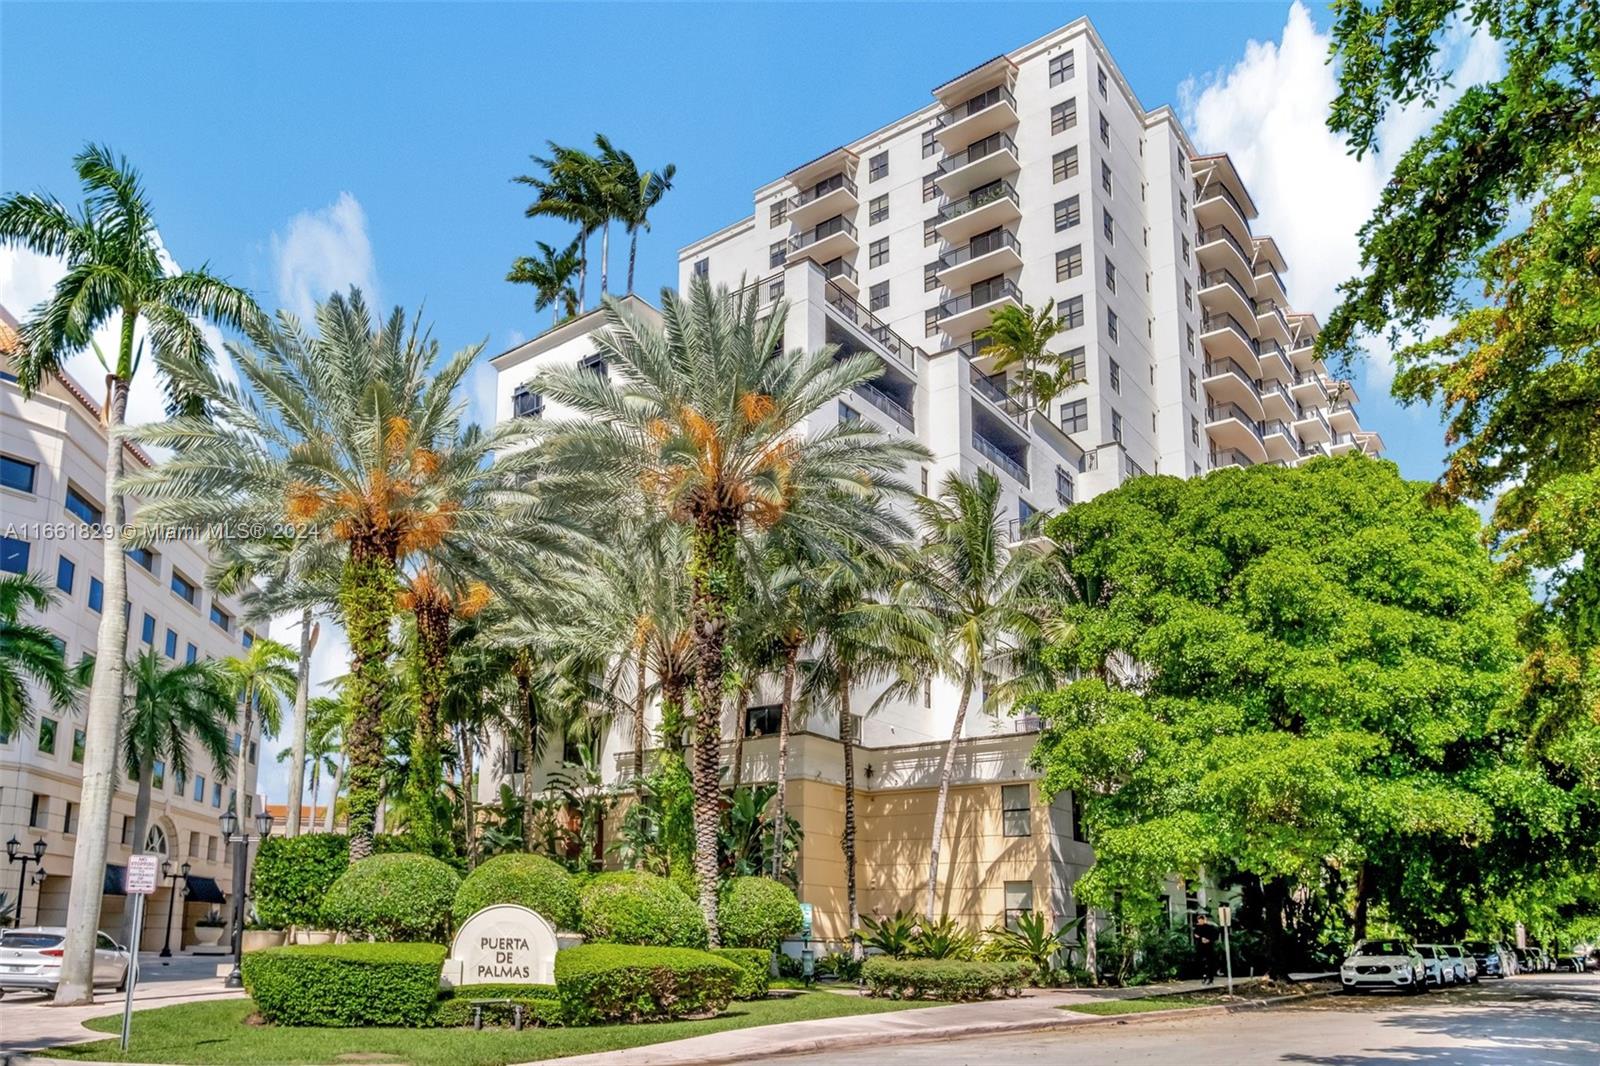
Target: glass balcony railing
986,292
1223,320
1225,277
1303,344
1223,412
835,269
1217,189
1279,427
1267,270
996,394
1229,457
1273,387
897,348
887,404
1220,233
980,245
995,142
1308,414
821,189
1215,367
1270,307
996,455
978,198
977,105
1267,346
822,230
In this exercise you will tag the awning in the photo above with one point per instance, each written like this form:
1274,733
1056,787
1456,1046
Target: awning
115,880
204,890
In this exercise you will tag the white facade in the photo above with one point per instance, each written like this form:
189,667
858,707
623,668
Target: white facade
53,450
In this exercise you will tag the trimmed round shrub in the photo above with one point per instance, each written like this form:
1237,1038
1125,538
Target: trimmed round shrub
345,984
633,907
624,982
293,874
537,883
757,966
393,897
944,978
757,912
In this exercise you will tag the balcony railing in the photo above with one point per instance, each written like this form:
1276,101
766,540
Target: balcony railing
1228,366
1225,277
1307,451
1008,404
1220,233
1230,457
1271,385
1270,307
887,404
1278,426
1264,270
993,452
839,268
995,142
980,198
896,347
821,189
1221,412
1316,413
983,293
836,224
1311,377
1303,343
979,246
1223,320
1267,346
1216,188
978,104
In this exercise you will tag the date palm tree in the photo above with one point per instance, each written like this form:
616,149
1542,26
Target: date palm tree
346,437
637,192
702,424
117,271
1020,336
30,655
261,680
550,273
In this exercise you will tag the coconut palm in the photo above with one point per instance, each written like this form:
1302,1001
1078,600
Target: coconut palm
346,436
30,655
574,188
261,680
550,273
977,595
321,744
636,193
1020,336
117,271
704,426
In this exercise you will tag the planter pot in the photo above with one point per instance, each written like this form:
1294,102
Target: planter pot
208,935
257,939
313,936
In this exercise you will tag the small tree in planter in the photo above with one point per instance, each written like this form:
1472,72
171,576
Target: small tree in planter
208,927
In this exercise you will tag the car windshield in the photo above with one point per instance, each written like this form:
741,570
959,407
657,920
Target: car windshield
1479,947
32,941
1422,949
1382,947
1452,950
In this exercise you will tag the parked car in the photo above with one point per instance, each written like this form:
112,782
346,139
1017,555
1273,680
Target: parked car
30,960
1574,962
1384,964
1466,965
1438,969
1494,958
1527,961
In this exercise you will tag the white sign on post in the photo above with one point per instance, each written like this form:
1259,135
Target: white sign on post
138,881
143,873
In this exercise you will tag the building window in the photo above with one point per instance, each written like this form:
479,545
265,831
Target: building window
1067,213
87,512
1105,131
79,738
1183,207
211,849
1101,79
1075,416
1188,336
97,593
930,190
194,844
878,296
147,629
185,589
17,473
930,232
221,619
702,268
1077,820
778,254
930,321
144,557
14,555
763,721
1112,329
1194,430
38,814
47,735
1064,487
180,781
1111,275
878,210
1105,177
253,752
158,774
66,574
69,823
1072,312
848,413
878,166
216,794
1019,901
878,253
1109,226
525,403
190,653
778,213
1069,262
1076,364
930,143
199,788
1064,165
1062,67
775,290
1188,295
1064,116
1114,376
1116,427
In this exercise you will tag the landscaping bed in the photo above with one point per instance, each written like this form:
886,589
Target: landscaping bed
1215,996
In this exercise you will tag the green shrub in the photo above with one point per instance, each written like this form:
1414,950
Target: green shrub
839,964
538,1002
345,984
944,978
537,883
757,912
623,982
757,966
638,908
393,897
293,874
944,939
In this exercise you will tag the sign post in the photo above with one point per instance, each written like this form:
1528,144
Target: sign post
1225,919
142,875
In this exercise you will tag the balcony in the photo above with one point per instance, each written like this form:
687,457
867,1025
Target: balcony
1228,382
1309,452
987,254
827,240
983,161
1344,442
1303,351
1270,322
970,311
977,212
1269,283
834,195
1274,360
1312,426
1219,249
1280,440
1309,389
1231,426
887,342
1342,416
997,396
1229,457
887,404
986,113
1216,206
1221,290
841,273
1276,400
1226,336
998,456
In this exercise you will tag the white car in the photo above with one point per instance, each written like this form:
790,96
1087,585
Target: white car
1384,964
30,960
1439,968
1466,965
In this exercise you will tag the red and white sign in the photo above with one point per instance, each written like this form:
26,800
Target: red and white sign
143,873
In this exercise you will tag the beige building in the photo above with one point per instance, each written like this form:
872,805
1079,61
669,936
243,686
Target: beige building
52,451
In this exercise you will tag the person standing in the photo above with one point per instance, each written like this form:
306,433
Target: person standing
1205,947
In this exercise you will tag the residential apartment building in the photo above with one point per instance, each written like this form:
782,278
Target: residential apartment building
52,485
1034,177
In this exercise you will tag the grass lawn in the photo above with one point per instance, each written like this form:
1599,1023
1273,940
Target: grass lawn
215,1034
1140,1005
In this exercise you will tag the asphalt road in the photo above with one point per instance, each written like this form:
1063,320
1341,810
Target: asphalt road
1538,1020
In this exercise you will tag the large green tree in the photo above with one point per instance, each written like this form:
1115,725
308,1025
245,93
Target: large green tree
1303,678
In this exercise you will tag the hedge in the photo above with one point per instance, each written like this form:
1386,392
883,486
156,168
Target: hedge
757,966
623,982
944,978
538,1002
291,875
540,884
634,907
345,984
393,897
757,912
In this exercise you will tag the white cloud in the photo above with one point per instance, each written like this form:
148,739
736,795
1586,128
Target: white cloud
1269,113
323,252
330,658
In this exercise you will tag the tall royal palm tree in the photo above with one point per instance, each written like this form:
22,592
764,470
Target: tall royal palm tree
698,421
261,680
321,745
1020,337
574,188
30,655
117,271
636,193
976,596
340,435
168,705
550,273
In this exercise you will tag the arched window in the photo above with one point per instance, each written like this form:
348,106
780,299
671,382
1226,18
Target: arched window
156,840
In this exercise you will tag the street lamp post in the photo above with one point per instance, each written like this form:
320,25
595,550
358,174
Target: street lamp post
15,854
230,833
172,903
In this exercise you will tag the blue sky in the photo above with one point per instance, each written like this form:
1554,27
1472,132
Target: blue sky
296,147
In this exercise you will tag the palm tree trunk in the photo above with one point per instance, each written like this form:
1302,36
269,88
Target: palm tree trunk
946,771
633,255
302,696
141,828
469,813
741,707
76,986
427,776
328,822
847,738
366,600
316,790
583,270
713,564
605,255
780,812
530,729
240,785
639,679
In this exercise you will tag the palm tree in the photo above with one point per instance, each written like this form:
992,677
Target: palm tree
261,680
341,436
637,193
574,189
975,597
1019,336
117,270
550,273
703,425
321,744
30,655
